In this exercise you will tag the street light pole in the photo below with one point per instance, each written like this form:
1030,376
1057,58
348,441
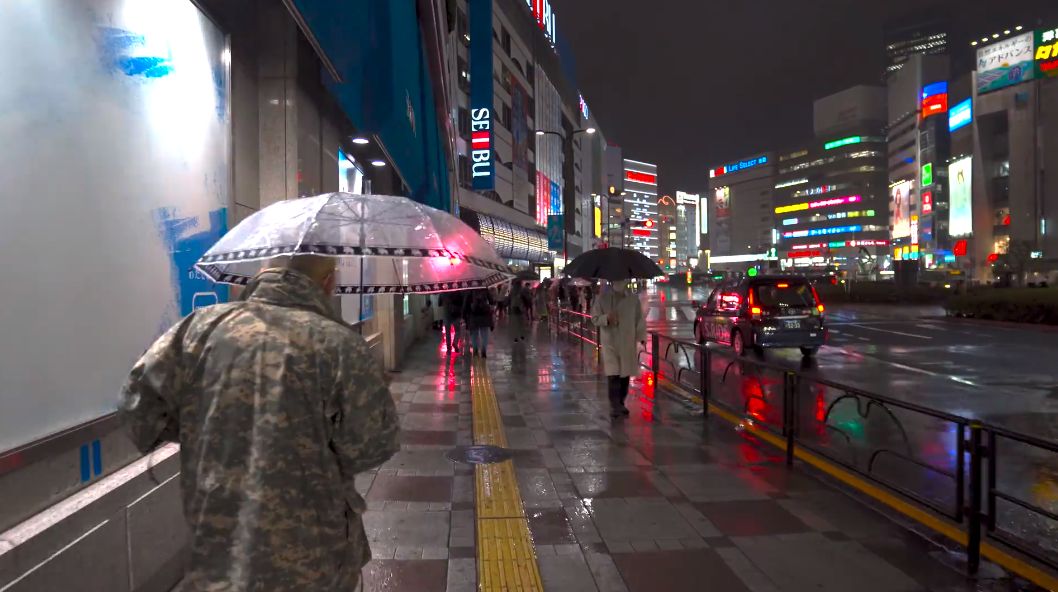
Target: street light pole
566,142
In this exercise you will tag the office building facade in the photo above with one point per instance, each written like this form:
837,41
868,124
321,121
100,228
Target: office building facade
740,219
639,207
830,198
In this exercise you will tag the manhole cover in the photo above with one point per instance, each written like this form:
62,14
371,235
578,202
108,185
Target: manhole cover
479,455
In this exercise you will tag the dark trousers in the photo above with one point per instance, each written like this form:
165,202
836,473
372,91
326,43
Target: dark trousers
618,390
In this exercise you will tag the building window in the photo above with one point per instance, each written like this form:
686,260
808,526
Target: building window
464,170
505,116
462,28
464,123
505,40
464,74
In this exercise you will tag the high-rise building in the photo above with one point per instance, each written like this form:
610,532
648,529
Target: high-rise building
689,229
925,34
667,233
740,206
527,148
830,199
918,146
640,208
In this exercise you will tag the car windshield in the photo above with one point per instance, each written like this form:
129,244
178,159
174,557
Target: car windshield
780,294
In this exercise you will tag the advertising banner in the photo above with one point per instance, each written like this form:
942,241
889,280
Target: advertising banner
723,202
1047,53
960,115
900,194
556,198
555,236
99,245
1005,63
960,216
483,172
543,198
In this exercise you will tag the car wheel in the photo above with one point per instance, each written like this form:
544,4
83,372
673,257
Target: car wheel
738,343
809,352
699,333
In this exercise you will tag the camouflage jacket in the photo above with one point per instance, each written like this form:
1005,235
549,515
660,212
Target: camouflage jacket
276,405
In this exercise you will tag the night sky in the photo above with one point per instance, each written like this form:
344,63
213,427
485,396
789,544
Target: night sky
692,83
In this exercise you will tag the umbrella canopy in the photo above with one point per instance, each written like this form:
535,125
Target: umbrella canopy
384,245
528,274
613,264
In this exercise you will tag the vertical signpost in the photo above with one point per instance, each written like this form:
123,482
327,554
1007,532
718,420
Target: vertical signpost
483,172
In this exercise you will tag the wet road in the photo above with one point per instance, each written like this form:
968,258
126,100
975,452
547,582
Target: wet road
1001,374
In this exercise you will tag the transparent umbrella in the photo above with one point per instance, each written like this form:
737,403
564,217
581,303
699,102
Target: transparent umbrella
384,244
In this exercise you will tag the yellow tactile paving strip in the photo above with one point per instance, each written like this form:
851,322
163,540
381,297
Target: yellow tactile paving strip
506,556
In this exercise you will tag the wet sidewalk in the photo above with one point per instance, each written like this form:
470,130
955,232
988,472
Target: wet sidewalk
655,501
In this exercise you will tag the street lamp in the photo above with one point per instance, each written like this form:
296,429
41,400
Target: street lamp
567,141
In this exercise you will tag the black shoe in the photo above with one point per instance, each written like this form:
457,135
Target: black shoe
484,353
624,411
615,413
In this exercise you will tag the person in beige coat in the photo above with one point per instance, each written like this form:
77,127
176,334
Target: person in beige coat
622,325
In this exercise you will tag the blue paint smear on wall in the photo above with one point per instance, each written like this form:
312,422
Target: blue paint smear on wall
116,46
185,247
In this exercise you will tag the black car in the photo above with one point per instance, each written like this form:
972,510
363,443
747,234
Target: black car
763,312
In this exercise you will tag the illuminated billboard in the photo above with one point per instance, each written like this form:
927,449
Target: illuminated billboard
1047,53
960,115
723,202
934,99
900,194
738,166
1005,63
960,215
483,171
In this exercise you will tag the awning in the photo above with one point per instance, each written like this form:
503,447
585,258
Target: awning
511,241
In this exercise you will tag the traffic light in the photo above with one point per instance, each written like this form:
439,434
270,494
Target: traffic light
649,223
613,190
751,272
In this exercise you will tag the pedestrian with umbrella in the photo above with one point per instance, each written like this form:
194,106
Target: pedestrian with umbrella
276,402
618,315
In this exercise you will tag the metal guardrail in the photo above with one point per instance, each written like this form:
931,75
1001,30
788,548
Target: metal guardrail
874,436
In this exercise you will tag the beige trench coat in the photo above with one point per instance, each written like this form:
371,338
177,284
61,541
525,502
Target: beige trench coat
620,350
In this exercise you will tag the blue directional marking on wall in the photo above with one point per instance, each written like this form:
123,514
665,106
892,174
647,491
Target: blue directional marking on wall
91,460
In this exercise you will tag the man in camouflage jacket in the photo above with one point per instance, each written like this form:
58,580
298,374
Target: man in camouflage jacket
277,405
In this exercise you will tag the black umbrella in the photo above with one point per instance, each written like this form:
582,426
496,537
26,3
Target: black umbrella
529,275
613,264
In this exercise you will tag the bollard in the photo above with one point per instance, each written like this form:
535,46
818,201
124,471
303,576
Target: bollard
789,422
655,362
973,534
993,457
703,379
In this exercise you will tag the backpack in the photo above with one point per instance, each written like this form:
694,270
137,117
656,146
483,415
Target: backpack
480,306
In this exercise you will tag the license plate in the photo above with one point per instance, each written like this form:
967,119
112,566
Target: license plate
791,324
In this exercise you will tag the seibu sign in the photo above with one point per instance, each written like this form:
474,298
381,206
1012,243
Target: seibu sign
480,144
545,17
482,168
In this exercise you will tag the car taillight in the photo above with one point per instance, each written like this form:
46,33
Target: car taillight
755,311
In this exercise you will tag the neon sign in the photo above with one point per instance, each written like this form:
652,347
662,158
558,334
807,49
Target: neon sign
584,113
927,202
483,173
842,142
545,17
822,231
934,99
1047,53
738,166
639,177
837,201
960,115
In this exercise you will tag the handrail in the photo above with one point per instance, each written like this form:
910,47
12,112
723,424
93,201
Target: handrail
978,517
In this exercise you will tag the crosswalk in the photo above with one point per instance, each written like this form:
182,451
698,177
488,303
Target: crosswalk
670,314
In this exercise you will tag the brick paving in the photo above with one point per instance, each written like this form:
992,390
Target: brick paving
656,501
